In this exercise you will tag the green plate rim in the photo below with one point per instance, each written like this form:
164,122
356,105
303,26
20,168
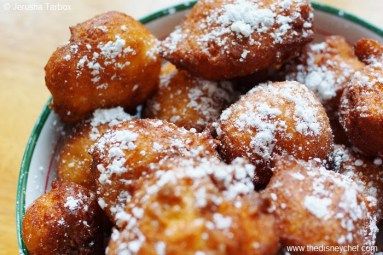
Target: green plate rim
39,124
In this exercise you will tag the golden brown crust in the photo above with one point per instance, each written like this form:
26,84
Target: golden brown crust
369,51
109,61
74,161
188,101
231,38
367,173
314,206
125,153
361,112
183,209
66,220
275,118
325,68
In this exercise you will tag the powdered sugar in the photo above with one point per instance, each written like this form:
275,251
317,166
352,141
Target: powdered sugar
114,52
112,49
112,117
249,22
198,173
236,178
366,174
363,98
161,248
330,197
200,99
102,28
323,68
67,57
267,117
378,161
305,105
245,17
115,147
117,142
73,202
298,176
264,119
208,98
221,221
317,206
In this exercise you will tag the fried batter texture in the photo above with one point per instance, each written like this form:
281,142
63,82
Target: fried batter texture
74,161
66,220
325,68
197,208
188,101
361,111
369,51
315,206
111,60
224,39
272,119
367,173
125,153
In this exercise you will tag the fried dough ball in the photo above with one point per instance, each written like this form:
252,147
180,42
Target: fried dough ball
324,68
125,153
204,207
368,174
274,118
188,101
225,39
66,220
74,162
111,60
361,111
315,206
370,52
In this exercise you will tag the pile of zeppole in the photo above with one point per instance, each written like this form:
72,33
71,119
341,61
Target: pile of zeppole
236,134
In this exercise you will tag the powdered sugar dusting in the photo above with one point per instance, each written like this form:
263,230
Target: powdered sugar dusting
201,98
266,116
111,53
305,105
366,89
245,20
245,17
367,175
72,203
76,202
112,117
208,98
323,68
317,206
330,197
264,119
234,180
117,141
115,147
